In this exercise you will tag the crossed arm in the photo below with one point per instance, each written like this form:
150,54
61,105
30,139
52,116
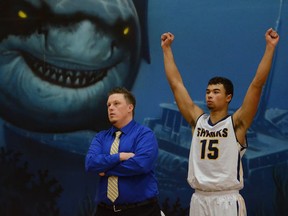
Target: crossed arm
123,156
137,160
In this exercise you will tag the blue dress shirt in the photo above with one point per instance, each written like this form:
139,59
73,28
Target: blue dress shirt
136,176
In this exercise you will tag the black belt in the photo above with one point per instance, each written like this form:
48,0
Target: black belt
117,208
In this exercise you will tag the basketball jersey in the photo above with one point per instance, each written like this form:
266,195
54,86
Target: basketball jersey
215,156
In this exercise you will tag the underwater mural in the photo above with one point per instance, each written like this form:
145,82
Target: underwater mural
59,59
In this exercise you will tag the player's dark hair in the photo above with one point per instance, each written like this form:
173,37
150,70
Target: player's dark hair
228,85
129,97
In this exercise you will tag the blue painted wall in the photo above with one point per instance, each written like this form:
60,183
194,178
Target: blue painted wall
212,38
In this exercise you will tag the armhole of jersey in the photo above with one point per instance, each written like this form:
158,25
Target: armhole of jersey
246,144
199,118
193,127
243,146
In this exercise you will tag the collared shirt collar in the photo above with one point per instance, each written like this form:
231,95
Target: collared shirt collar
126,128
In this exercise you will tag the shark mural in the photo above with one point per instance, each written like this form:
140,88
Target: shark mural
58,60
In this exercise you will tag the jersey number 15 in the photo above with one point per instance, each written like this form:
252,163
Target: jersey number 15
209,149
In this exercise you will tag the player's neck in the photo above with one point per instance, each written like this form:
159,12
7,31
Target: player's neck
216,116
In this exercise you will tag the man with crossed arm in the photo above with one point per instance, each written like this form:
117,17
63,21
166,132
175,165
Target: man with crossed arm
133,165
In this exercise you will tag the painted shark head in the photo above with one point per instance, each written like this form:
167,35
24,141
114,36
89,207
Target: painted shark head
59,59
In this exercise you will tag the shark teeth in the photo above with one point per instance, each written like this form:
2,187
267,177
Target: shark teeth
64,77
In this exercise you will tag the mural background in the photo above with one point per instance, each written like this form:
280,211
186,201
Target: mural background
212,38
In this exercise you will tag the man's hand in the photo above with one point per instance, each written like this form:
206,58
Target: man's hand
166,39
126,155
271,37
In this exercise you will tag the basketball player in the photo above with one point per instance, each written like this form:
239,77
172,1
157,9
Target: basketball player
219,139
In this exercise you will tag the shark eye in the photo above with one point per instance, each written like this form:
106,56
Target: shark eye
22,14
21,19
126,31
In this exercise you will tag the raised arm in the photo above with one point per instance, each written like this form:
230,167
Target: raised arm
243,117
187,107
